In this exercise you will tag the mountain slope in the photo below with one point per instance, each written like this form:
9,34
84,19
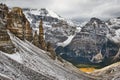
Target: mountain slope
114,26
91,45
36,64
53,24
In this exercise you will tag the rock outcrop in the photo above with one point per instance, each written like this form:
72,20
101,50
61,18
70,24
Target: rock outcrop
39,41
5,42
41,36
3,11
51,50
36,39
18,24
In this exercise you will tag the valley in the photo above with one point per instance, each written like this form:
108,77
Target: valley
39,44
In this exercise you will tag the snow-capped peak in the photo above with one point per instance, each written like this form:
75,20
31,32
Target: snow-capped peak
43,12
53,14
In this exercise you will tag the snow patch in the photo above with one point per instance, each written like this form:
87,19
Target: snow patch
5,76
84,23
65,43
115,38
27,16
16,56
78,29
115,21
53,14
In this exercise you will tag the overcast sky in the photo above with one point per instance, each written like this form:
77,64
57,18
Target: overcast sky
73,8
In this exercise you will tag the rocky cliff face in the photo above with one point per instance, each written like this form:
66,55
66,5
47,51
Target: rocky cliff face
18,24
41,36
91,45
114,26
3,11
5,42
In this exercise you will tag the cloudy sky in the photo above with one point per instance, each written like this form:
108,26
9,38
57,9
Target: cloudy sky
73,8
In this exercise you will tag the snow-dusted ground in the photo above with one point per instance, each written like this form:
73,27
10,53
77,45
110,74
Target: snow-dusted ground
116,38
78,29
4,77
16,56
53,14
37,61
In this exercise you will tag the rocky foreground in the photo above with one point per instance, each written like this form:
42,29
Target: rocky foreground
35,64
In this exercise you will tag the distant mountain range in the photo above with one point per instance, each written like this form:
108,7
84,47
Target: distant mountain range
93,42
96,43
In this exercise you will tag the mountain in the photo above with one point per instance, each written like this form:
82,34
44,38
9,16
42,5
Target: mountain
31,63
5,43
53,24
20,59
114,26
91,45
26,52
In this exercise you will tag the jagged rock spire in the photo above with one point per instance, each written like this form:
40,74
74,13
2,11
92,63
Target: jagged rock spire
36,39
51,50
41,36
41,31
3,11
28,31
6,44
18,24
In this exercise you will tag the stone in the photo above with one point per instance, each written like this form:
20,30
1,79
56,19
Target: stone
41,36
18,24
36,39
5,42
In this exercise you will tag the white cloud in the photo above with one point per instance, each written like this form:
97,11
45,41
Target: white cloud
73,8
